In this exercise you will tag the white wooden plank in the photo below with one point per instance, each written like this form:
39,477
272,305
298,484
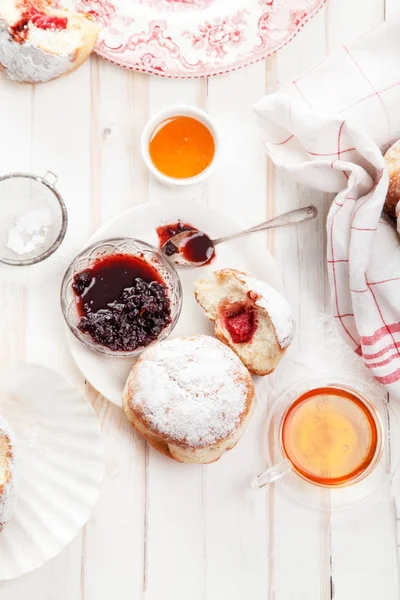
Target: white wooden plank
238,186
15,155
236,523
119,113
54,148
114,539
391,8
299,538
55,580
364,552
57,133
175,546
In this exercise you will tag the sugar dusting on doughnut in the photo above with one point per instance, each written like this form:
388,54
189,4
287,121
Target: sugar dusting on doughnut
190,398
276,306
190,390
7,473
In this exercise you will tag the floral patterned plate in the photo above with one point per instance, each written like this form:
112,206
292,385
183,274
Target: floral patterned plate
195,38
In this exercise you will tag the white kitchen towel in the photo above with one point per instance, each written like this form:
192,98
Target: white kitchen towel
328,129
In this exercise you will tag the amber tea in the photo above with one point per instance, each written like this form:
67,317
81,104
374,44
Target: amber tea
332,436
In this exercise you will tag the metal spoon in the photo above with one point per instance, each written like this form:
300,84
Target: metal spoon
181,248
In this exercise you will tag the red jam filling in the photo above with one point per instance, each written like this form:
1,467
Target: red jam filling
49,22
19,30
241,324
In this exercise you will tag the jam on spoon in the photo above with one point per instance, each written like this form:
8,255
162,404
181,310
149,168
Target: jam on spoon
166,232
197,247
189,249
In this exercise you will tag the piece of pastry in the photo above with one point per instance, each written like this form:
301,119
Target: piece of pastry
392,159
191,398
249,316
39,43
7,473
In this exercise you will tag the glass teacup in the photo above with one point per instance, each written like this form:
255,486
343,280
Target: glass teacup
330,436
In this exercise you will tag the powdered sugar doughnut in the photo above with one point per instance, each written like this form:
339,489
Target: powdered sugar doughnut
7,473
39,43
191,398
250,316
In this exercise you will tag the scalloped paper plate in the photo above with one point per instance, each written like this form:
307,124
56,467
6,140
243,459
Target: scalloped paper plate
195,38
60,465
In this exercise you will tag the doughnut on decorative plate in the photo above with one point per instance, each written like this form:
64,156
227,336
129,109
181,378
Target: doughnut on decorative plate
59,460
108,374
195,38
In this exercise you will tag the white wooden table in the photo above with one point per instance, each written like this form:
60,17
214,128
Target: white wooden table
155,534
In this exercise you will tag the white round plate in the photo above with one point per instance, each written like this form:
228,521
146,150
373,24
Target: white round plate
59,461
195,38
107,374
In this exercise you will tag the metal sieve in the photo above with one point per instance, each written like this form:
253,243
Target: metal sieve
33,218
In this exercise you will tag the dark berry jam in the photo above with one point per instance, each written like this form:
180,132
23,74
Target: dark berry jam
241,323
122,302
196,248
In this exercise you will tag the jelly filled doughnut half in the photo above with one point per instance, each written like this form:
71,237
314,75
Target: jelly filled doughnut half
249,316
39,43
190,398
7,473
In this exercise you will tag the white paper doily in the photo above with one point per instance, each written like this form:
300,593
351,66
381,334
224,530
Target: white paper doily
60,465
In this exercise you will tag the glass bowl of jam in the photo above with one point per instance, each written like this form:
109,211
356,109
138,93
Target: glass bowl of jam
121,295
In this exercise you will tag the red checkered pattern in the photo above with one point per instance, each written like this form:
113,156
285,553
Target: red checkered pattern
328,130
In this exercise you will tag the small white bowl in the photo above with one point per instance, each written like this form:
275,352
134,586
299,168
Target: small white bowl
183,110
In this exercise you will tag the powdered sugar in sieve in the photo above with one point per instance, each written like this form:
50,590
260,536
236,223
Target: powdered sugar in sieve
33,218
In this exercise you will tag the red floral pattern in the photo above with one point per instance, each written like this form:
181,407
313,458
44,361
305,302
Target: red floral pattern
176,4
208,38
103,12
297,16
217,37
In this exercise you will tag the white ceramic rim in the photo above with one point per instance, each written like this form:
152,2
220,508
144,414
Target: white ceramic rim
183,110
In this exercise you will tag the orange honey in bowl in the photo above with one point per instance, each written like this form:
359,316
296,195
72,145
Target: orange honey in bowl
181,147
332,436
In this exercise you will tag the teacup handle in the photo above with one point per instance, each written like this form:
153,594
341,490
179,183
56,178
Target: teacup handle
272,474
